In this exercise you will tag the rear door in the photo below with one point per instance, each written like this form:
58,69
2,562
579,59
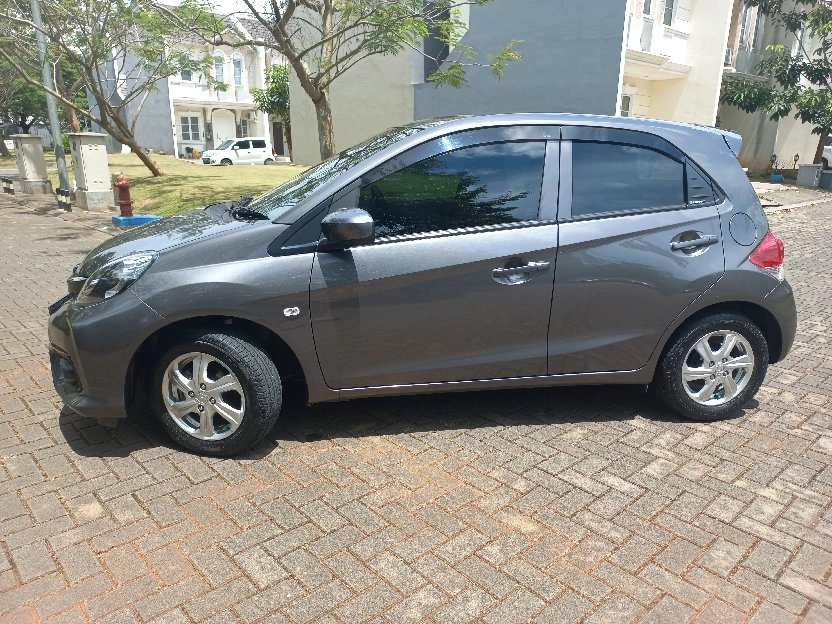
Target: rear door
259,151
640,239
458,284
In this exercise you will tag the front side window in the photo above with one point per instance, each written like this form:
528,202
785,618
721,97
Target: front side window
243,145
474,186
613,178
190,128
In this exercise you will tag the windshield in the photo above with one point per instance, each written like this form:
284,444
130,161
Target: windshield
280,199
225,144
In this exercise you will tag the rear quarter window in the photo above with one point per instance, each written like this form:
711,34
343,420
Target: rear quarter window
258,144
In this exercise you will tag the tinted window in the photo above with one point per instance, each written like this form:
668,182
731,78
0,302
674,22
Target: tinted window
243,144
608,177
699,187
474,186
258,144
287,195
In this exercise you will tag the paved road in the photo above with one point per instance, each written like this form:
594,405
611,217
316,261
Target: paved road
559,505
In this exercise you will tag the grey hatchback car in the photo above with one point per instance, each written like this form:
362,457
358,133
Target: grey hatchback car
455,254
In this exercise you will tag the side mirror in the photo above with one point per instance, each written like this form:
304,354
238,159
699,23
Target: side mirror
348,227
235,147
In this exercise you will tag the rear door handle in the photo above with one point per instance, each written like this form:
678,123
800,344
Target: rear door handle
708,239
531,267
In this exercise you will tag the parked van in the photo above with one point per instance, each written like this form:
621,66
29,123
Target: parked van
250,150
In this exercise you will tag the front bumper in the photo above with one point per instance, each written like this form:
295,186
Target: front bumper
91,348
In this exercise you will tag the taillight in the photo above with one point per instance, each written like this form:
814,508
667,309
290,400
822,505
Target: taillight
769,255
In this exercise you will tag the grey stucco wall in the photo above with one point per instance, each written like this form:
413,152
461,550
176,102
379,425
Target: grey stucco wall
571,60
153,129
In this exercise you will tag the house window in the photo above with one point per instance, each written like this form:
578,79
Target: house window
219,69
238,71
669,6
745,25
758,30
648,7
244,128
186,75
626,103
190,128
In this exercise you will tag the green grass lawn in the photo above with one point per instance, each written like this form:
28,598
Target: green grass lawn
186,183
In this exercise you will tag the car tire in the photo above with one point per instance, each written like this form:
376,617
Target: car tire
268,160
713,367
226,161
217,393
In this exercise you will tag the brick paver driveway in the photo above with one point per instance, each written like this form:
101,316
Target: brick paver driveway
553,505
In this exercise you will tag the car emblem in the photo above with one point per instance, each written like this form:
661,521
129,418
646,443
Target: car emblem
291,311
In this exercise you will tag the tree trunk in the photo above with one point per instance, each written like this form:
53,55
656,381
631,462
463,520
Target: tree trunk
287,129
138,151
4,151
819,151
70,112
326,137
152,167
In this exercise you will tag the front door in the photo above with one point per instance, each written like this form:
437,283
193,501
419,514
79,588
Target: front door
242,151
223,126
459,281
640,240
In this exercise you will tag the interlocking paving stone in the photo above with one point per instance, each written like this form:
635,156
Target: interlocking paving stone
563,504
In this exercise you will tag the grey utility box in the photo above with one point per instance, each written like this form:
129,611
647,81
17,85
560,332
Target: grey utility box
809,175
31,165
92,170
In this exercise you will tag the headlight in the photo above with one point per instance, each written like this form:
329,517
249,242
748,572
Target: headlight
113,277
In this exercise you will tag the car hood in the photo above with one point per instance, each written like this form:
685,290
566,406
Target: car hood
159,236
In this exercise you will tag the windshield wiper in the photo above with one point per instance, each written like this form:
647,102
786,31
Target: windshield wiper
239,210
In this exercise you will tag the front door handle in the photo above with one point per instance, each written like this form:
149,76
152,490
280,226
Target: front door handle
707,239
531,267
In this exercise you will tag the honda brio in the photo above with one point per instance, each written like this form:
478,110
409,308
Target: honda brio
455,254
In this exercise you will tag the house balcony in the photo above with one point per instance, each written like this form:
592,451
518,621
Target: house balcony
655,51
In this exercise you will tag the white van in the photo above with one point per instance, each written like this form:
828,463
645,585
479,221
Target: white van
249,151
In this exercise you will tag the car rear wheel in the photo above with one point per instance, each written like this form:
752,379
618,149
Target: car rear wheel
225,161
217,394
713,368
268,160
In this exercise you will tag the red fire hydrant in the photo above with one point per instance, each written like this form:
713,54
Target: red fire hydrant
125,204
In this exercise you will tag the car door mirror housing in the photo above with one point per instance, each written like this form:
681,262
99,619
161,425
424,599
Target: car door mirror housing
348,227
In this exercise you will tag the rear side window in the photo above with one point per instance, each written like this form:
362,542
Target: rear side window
474,186
611,178
258,144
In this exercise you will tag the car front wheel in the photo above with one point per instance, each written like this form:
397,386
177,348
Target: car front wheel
713,368
218,394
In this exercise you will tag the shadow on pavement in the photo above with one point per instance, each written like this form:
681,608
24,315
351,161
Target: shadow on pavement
391,416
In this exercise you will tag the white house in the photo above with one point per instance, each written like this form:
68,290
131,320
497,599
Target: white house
751,33
188,113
